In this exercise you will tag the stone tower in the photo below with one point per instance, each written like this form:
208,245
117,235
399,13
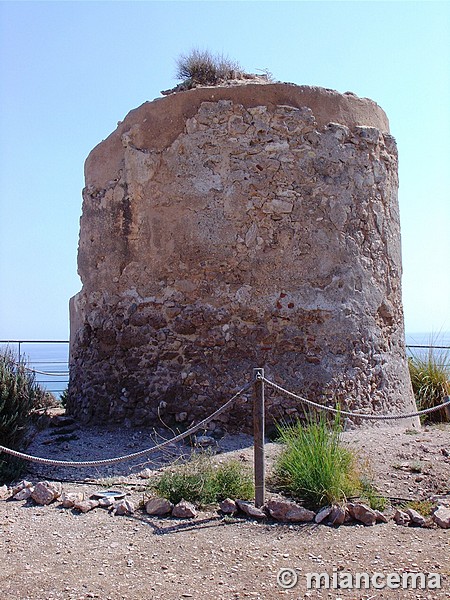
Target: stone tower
226,228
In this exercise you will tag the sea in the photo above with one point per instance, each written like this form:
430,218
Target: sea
49,359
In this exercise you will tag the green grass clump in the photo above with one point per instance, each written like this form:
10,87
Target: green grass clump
314,467
202,482
369,494
200,67
430,378
20,395
423,507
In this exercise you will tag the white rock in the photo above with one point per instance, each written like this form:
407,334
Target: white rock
123,507
85,506
20,486
442,517
69,499
322,514
24,494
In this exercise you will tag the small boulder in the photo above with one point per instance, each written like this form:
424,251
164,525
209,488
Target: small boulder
69,499
401,518
228,506
4,492
158,506
322,514
285,510
106,502
337,515
123,507
23,494
363,513
381,518
184,510
416,517
20,486
145,473
85,506
46,491
442,517
250,509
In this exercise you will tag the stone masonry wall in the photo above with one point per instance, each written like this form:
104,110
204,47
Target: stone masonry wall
225,229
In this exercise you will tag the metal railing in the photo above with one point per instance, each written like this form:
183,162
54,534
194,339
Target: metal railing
48,359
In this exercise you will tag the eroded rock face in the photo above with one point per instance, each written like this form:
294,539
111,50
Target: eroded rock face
229,228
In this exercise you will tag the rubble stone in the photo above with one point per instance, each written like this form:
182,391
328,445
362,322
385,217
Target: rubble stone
234,226
158,506
362,512
184,510
228,506
46,491
442,517
250,509
285,510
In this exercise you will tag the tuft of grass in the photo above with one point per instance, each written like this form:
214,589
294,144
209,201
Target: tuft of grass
200,67
20,396
423,507
369,493
314,467
203,482
430,378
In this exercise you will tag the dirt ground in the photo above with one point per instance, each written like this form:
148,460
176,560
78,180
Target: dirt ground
49,553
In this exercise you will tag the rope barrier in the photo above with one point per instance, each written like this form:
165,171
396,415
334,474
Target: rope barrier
117,459
61,374
345,413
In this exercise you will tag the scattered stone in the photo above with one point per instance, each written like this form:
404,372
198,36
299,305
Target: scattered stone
401,518
85,506
380,517
184,510
62,421
442,517
123,507
106,502
205,441
158,506
4,492
46,491
363,513
250,509
337,515
69,499
285,510
20,486
228,506
145,473
416,517
23,494
322,514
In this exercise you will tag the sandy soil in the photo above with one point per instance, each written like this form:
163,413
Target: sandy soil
51,553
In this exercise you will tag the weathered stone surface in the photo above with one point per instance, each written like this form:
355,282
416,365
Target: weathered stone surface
442,517
362,512
4,492
380,517
416,517
184,510
85,506
158,506
323,514
23,494
20,486
337,515
284,510
123,507
69,499
402,518
250,509
224,228
228,506
46,491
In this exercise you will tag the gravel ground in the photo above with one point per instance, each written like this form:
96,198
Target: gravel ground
48,552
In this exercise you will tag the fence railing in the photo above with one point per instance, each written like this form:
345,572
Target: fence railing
48,359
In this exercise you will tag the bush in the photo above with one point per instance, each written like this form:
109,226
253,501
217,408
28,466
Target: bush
430,378
314,467
202,482
20,395
200,67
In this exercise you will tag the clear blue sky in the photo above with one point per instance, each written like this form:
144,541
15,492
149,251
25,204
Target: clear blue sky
70,70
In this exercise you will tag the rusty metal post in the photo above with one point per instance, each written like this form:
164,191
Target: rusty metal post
258,437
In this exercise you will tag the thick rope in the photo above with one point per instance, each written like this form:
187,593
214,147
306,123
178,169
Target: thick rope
111,461
61,374
345,413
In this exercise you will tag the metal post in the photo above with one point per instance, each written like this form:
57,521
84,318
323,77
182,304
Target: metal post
258,437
